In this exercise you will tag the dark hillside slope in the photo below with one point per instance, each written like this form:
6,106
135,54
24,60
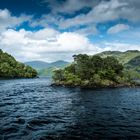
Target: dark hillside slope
10,68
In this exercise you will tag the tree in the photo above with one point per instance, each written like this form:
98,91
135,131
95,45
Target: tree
10,68
91,71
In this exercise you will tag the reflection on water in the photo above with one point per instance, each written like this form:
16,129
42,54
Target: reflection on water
31,109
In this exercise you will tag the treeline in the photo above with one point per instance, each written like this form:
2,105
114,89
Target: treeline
10,68
92,71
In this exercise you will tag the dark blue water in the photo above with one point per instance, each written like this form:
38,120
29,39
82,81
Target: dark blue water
33,110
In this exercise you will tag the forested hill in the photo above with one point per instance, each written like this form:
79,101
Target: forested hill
93,71
123,57
10,68
45,68
130,60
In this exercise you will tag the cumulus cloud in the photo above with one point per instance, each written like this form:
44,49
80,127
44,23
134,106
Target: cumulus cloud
52,44
9,21
117,28
45,44
49,44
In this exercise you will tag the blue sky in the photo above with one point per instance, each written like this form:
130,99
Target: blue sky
51,30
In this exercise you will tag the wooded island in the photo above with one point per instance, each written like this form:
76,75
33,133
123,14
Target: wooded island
93,72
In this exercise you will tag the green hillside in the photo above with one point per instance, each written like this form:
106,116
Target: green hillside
123,57
46,69
130,59
93,72
37,64
49,71
10,68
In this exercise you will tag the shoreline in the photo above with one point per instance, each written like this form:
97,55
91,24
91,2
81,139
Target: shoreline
96,87
9,78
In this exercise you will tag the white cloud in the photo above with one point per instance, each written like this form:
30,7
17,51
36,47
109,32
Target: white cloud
104,11
9,21
49,44
116,46
46,44
117,28
101,11
53,45
90,30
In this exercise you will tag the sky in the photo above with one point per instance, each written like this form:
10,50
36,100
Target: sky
51,30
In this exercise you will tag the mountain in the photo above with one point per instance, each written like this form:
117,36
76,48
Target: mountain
123,57
59,63
38,64
45,68
46,71
10,68
130,59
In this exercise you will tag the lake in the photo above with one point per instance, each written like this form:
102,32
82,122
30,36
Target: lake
31,109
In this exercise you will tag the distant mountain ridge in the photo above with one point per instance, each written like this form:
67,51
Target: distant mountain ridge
59,63
123,57
37,64
45,68
130,59
42,65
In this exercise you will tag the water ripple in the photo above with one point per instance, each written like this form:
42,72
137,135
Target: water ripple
33,110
